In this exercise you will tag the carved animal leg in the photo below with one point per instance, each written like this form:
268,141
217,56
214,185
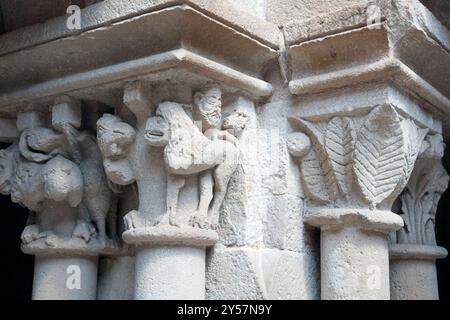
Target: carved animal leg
84,228
206,194
111,221
174,184
222,176
101,226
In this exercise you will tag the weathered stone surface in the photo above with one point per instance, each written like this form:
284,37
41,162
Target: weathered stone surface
251,273
219,139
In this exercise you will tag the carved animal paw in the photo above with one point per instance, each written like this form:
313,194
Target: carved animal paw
213,223
108,243
133,220
167,220
199,222
30,234
84,230
51,240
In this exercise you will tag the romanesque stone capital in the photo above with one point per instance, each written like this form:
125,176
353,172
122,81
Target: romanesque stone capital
55,170
170,157
419,202
354,167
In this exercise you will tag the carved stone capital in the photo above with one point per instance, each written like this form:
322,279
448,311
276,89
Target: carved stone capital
54,169
420,198
181,169
354,167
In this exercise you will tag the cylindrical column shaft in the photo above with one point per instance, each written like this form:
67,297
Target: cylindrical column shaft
170,273
116,278
413,280
354,265
413,274
58,277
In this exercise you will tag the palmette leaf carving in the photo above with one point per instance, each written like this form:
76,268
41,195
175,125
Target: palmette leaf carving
318,175
379,155
339,145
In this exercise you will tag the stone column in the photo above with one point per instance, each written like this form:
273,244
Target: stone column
55,170
116,272
352,169
172,226
413,249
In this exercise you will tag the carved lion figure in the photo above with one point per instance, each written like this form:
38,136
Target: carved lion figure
187,151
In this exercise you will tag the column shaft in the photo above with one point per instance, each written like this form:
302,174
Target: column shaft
58,277
354,265
170,272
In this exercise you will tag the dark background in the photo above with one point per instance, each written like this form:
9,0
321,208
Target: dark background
16,268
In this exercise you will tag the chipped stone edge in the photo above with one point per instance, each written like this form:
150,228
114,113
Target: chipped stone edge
371,220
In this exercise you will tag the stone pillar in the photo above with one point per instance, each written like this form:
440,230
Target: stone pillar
65,277
352,169
365,103
413,272
413,249
171,271
116,272
354,254
55,170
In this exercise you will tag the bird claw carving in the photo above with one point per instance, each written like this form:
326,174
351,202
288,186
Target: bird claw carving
84,231
30,234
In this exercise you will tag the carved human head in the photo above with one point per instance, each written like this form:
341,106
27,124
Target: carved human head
208,105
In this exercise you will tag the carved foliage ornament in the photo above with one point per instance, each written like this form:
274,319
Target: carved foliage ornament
377,152
420,199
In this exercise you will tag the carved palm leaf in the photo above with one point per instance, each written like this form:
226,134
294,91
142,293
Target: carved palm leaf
317,175
339,145
379,155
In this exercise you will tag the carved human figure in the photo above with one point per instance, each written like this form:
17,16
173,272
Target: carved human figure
188,151
208,107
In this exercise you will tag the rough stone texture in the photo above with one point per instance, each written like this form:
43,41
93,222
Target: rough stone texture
413,280
283,11
355,265
116,278
253,273
170,273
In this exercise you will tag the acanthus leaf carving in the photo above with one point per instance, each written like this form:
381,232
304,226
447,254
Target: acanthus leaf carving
339,145
379,155
419,201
